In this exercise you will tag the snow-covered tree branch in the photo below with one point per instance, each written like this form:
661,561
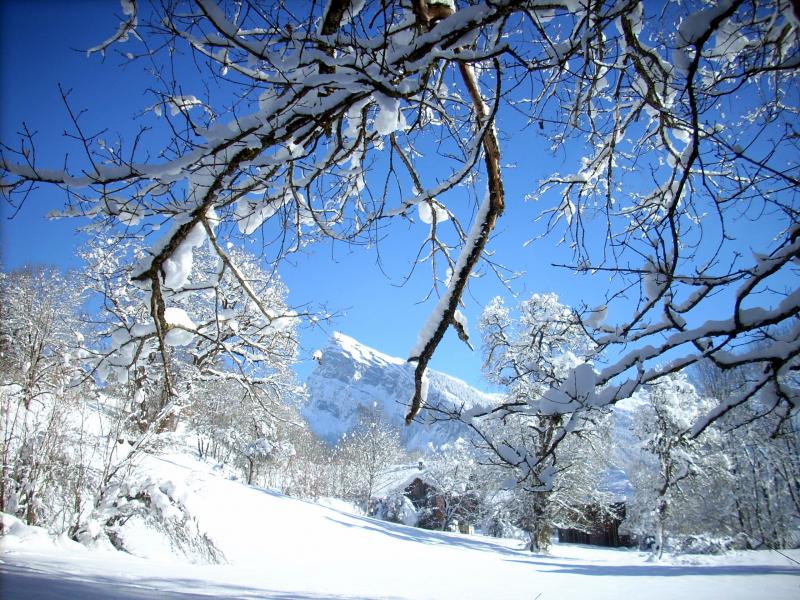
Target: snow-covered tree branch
677,124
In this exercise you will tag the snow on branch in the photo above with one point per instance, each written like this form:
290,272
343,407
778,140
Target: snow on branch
126,28
444,314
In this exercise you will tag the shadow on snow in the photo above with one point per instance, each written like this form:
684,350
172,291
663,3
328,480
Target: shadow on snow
656,570
425,536
559,564
18,581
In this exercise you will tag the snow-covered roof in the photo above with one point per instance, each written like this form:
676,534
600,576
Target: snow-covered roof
398,477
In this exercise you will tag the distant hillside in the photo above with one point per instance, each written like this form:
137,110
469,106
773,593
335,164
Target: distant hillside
350,375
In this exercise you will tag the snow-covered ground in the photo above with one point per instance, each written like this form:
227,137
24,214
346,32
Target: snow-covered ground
278,547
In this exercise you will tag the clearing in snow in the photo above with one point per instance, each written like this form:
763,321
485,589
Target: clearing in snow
279,547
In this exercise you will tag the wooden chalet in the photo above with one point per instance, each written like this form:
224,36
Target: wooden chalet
428,501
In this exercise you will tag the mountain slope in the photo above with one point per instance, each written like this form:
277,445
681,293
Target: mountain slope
351,377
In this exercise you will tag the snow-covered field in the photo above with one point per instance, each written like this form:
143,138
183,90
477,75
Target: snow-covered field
278,547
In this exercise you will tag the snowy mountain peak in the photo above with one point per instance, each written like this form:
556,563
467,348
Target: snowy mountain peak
351,377
360,353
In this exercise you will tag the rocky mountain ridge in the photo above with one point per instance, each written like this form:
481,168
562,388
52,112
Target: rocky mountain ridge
351,377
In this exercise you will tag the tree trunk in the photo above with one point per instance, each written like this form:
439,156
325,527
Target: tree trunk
538,525
30,510
250,469
4,457
661,517
539,536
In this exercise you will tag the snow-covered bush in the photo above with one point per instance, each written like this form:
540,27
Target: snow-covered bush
704,544
395,508
139,508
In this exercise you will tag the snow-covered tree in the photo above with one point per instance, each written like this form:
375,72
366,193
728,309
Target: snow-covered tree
41,330
304,465
672,461
366,451
42,391
678,124
241,331
456,474
244,428
227,367
530,355
762,455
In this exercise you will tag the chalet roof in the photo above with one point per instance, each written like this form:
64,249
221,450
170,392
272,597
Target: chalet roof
397,478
